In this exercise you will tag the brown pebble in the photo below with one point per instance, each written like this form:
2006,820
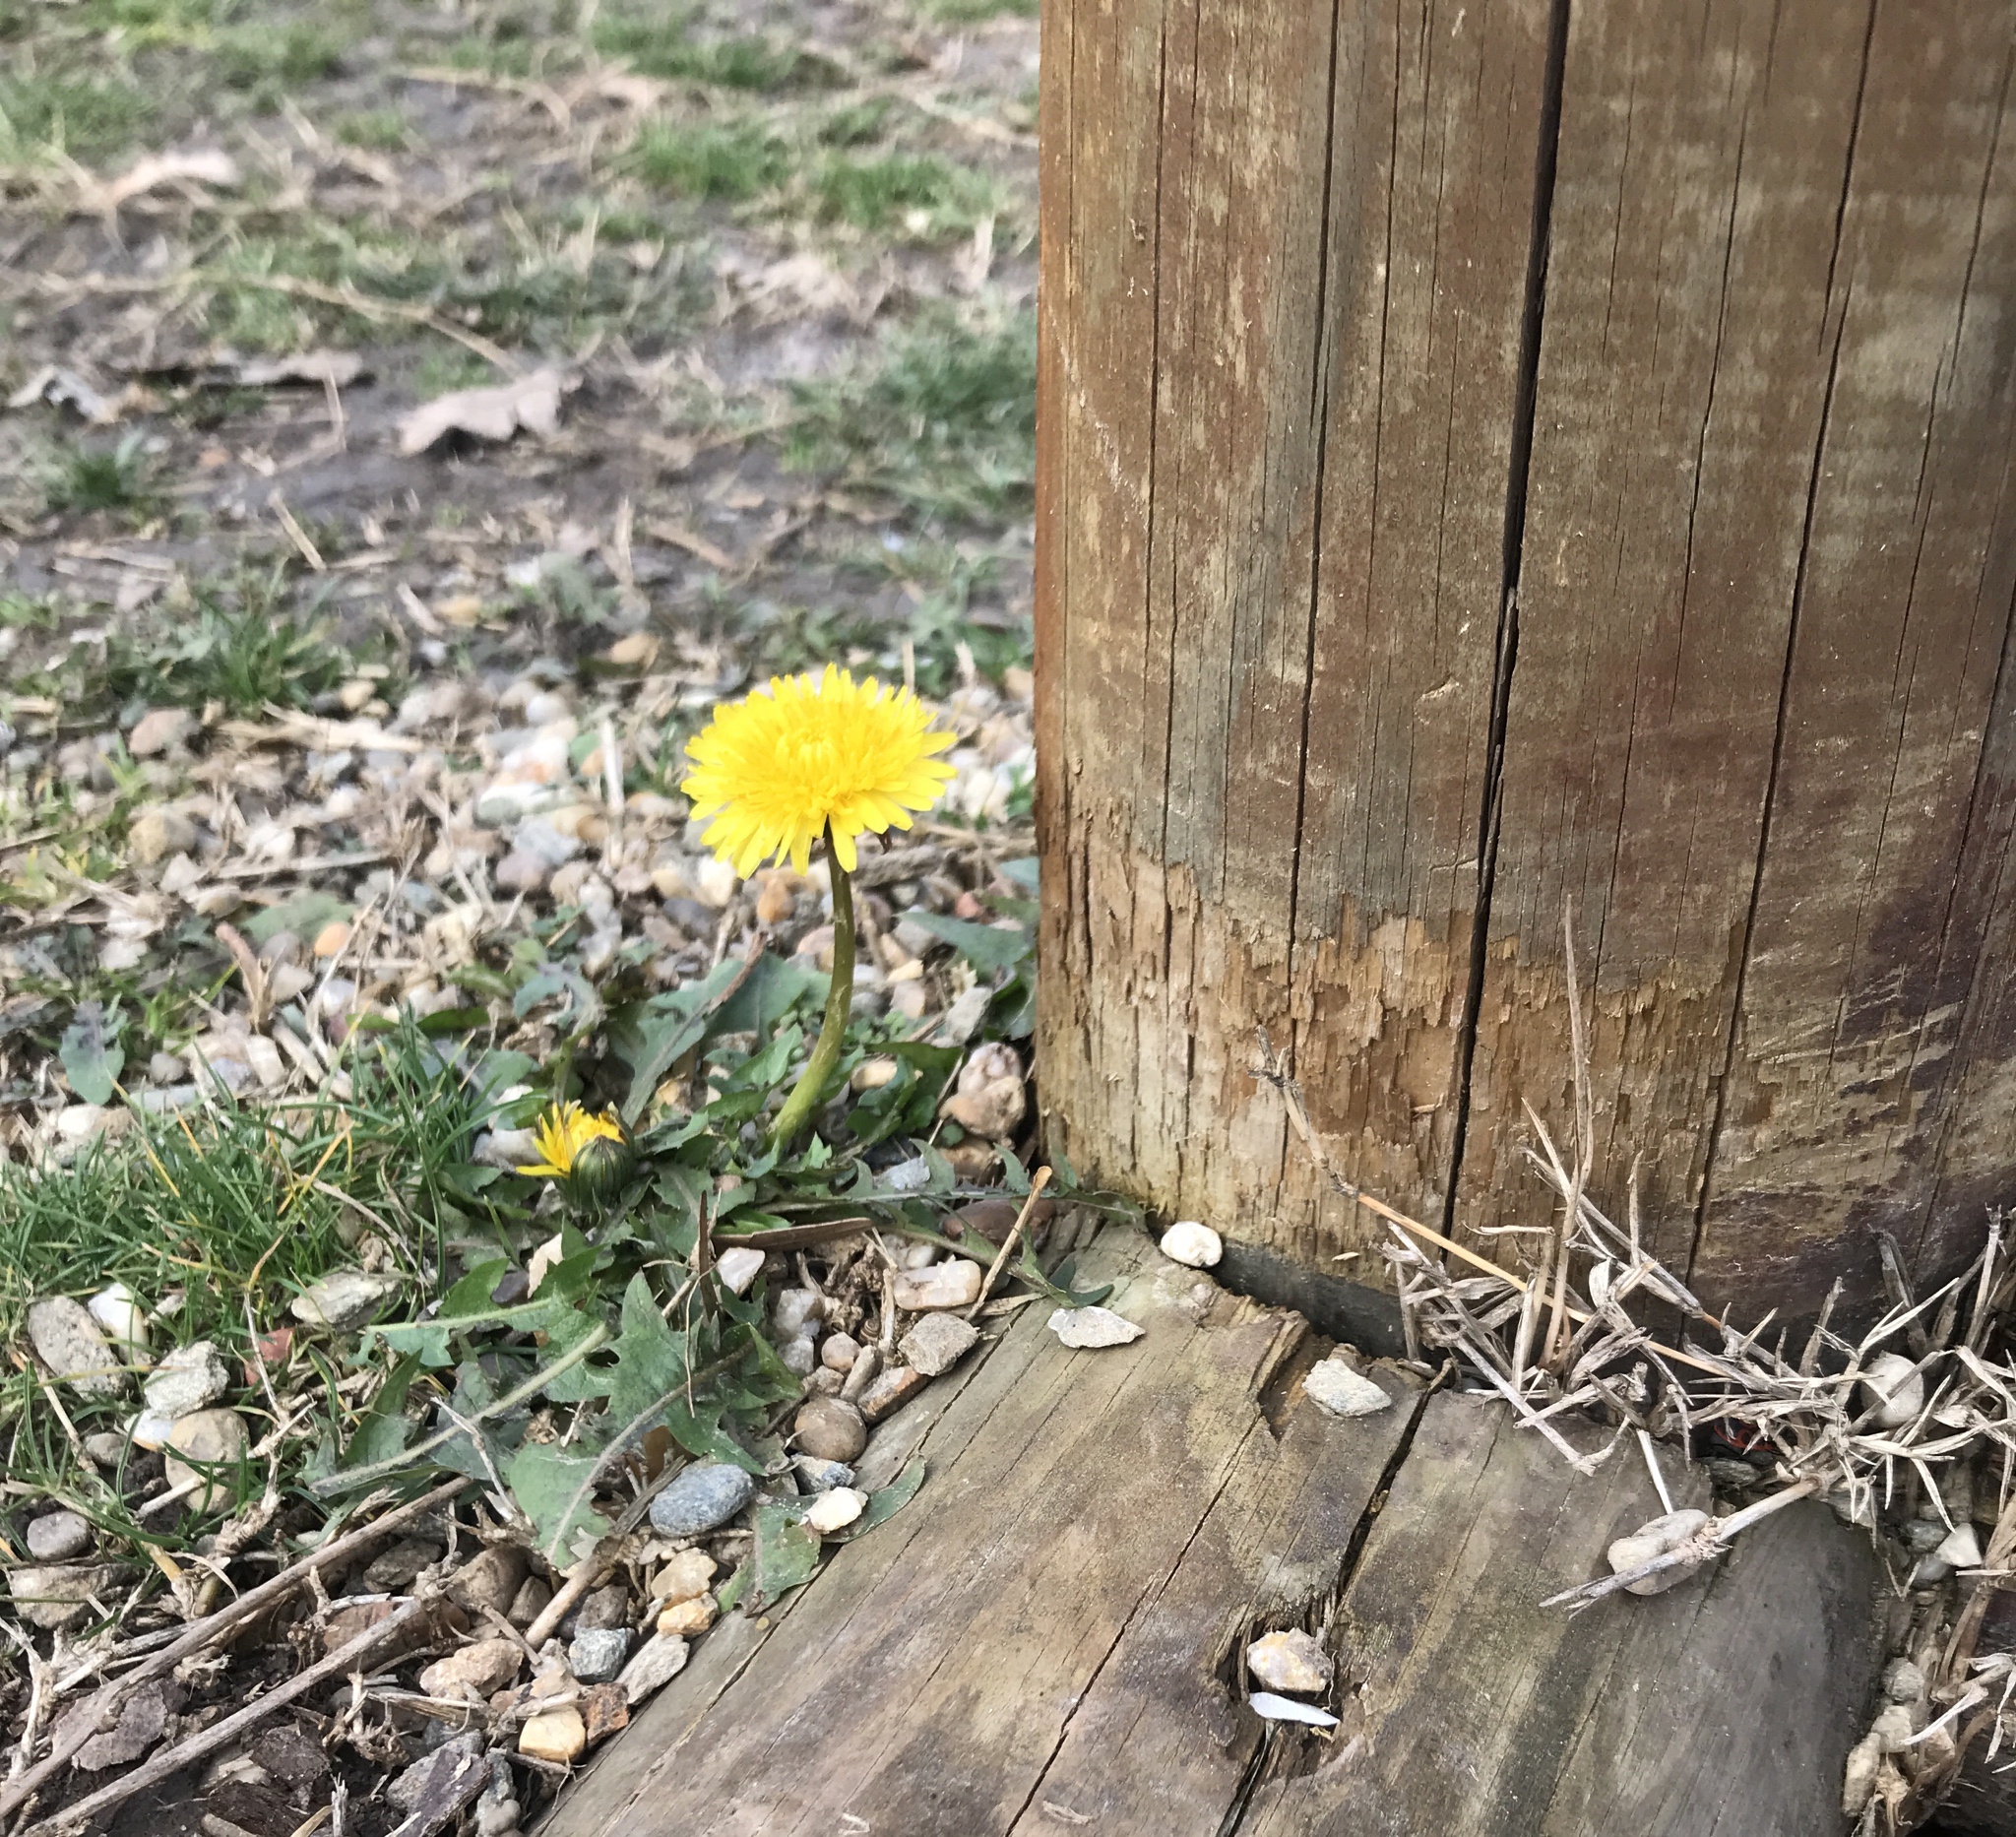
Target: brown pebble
604,1710
332,938
829,1429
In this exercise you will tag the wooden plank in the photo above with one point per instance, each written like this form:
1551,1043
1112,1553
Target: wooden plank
1851,1103
1726,1704
1286,254
1683,369
925,1679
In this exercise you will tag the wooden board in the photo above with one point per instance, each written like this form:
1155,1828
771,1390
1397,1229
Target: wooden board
1048,1638
1512,462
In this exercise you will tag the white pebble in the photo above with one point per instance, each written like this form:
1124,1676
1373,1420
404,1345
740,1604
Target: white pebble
739,1268
1656,1539
1333,1386
1287,1709
1089,1327
835,1509
1896,1387
1195,1245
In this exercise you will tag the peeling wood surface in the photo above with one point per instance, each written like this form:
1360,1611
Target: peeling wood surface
1504,459
1047,1638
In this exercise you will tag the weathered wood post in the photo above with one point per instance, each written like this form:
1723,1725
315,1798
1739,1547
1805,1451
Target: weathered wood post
1515,457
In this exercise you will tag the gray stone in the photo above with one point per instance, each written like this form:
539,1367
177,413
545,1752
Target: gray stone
1335,1388
700,1498
491,1578
475,1670
67,1340
452,1760
597,1652
142,1718
190,1378
394,1570
520,873
55,1537
890,1391
1923,1536
829,1429
58,1595
955,1282
1090,1327
659,1661
344,1299
601,1610
817,1476
937,1343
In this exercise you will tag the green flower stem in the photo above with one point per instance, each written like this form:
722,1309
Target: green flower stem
840,1001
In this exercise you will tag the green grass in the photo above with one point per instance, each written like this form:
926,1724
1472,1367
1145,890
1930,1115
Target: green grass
96,477
276,58
918,193
746,61
377,130
943,416
85,118
725,163
972,12
248,660
855,124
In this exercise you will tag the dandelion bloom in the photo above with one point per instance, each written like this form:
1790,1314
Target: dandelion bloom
563,1135
775,769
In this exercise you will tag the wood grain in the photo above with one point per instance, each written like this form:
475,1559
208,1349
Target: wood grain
1687,321
1049,1638
1726,1704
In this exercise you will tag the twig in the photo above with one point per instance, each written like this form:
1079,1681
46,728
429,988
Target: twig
1008,1243
78,1728
172,1760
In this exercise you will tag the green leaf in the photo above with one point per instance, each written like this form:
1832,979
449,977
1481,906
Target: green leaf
305,916
650,1037
774,988
545,1480
986,947
785,1556
1024,871
471,1294
90,1052
886,1501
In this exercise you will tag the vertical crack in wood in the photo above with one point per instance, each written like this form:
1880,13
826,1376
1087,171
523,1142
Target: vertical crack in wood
1733,1033
1505,657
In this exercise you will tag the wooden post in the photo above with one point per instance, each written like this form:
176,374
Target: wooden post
1520,459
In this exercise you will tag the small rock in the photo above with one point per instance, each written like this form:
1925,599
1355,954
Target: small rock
1922,1536
56,1537
604,1709
1859,1775
558,1735
889,1392
1893,1728
105,1446
873,1075
348,1623
291,1756
1292,1660
1895,1386
916,1257
937,1343
1194,1245
393,1570
520,872
835,1510
1275,1708
142,1719
1333,1386
656,1664
1088,1327
192,1377
489,1579
1960,1547
535,1594
429,1781
602,1608
795,1311
817,1476
212,1441
686,1574
868,1361
826,1382
952,1284
67,1340
343,1300
1904,1682
700,1498
801,1356
474,1670
686,1619
715,882
991,1098
58,1595
158,833
1656,1539
597,1652
123,1319
159,730
839,1350
331,939
738,1269
829,1429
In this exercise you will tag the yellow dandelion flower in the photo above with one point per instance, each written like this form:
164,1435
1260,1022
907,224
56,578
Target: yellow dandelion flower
563,1135
775,769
